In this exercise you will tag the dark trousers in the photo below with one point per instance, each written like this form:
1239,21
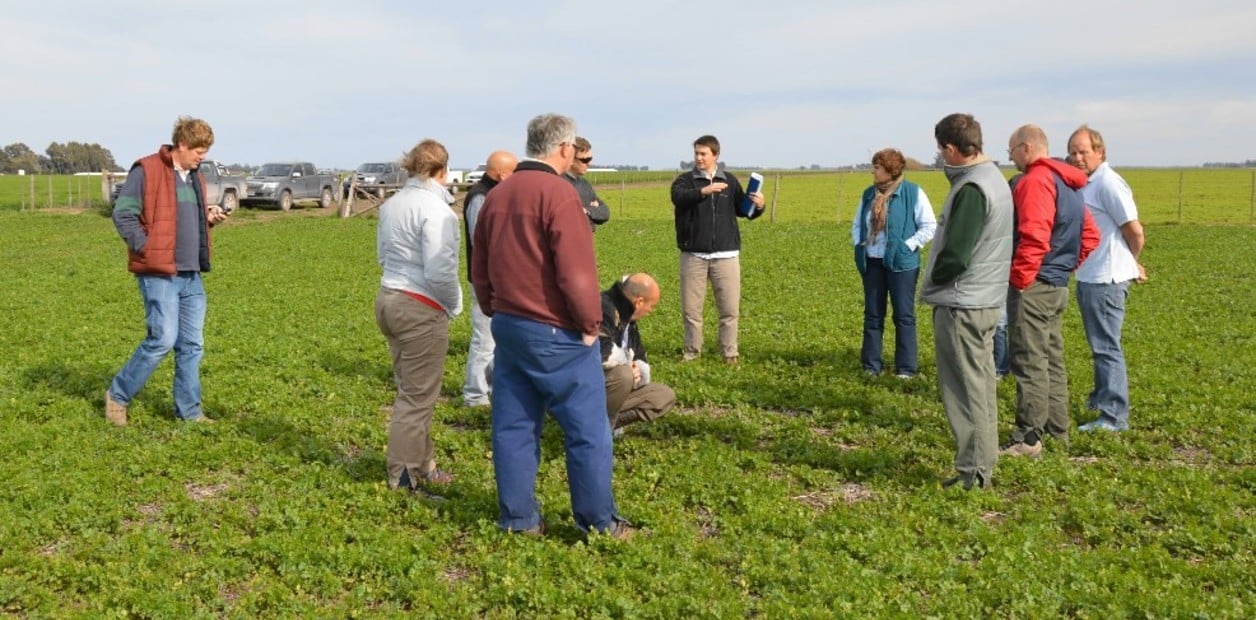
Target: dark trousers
900,287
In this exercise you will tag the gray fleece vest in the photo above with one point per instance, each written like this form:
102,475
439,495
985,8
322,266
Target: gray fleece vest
984,283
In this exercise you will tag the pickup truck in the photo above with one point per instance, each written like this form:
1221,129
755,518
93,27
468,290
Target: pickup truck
377,173
221,187
282,184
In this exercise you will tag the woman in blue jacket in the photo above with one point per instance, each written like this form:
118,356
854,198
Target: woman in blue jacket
895,220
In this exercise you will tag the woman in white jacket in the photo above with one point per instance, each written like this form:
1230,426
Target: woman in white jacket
419,292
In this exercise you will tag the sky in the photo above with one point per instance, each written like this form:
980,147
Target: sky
781,84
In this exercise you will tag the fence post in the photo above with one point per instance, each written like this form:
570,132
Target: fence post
1181,173
1251,219
840,178
623,188
32,192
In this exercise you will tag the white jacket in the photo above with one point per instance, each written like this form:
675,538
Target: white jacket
417,242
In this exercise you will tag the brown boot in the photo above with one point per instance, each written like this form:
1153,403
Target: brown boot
114,411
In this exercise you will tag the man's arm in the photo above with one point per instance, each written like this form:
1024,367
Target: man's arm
1034,197
963,228
472,213
1090,236
1133,233
127,209
684,193
575,266
479,268
599,212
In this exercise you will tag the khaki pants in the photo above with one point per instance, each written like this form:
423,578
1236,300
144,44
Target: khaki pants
1035,325
418,339
963,341
725,277
626,405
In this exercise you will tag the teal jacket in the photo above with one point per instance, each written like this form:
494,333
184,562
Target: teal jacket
900,225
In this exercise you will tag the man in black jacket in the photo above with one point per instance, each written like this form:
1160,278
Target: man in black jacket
630,395
707,202
598,211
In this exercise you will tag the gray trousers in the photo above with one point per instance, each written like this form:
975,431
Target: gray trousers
418,339
626,405
1035,325
963,342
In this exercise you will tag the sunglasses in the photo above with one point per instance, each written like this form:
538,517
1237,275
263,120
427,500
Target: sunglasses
584,160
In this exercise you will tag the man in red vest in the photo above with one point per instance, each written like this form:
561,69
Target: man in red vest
162,216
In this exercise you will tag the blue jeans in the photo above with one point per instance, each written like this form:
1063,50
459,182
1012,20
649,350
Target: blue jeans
174,315
539,367
1103,314
1002,361
900,286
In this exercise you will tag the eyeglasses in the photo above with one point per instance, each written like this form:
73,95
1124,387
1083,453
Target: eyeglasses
1013,149
584,160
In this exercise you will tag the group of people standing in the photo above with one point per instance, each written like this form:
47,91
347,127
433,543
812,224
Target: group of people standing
538,311
1004,252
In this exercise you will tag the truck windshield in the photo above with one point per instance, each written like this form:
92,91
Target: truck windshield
373,168
275,170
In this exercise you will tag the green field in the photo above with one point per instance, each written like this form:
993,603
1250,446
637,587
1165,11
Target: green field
788,487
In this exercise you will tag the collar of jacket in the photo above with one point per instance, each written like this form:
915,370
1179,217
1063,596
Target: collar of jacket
431,185
535,164
623,305
700,174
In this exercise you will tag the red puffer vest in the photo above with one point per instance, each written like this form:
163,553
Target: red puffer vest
157,216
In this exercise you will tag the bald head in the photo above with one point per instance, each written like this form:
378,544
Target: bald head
643,292
500,164
1027,145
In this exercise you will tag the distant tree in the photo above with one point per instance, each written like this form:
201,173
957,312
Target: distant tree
914,164
18,156
937,160
74,157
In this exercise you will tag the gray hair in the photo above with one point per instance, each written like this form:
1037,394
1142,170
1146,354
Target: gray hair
547,131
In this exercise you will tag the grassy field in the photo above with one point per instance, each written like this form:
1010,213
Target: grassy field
788,487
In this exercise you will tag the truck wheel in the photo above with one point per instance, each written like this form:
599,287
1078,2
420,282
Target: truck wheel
230,202
285,200
325,198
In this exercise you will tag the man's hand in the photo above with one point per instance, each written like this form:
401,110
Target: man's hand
1142,273
636,373
589,339
714,188
757,199
215,214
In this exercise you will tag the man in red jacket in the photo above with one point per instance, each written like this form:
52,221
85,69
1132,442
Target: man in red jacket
162,215
1054,234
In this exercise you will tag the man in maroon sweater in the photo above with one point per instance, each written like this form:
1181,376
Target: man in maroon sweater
535,274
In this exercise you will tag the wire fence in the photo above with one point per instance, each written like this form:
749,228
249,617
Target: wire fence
1163,195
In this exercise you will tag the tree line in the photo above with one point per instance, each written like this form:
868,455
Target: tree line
58,158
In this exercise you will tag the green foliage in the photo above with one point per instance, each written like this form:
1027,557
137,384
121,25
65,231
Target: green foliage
790,486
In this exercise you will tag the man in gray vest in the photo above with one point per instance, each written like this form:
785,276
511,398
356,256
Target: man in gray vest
966,283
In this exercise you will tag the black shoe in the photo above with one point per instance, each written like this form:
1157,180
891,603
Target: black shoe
968,482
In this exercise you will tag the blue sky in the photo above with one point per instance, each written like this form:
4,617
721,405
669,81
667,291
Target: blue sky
781,84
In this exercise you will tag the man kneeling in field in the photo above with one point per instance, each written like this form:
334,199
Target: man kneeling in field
630,395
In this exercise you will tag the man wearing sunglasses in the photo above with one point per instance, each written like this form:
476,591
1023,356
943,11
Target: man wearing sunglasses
594,206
